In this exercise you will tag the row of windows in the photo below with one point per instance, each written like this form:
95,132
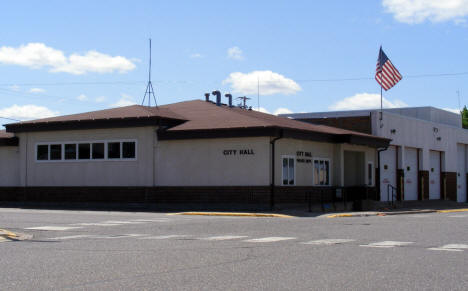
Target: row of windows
112,150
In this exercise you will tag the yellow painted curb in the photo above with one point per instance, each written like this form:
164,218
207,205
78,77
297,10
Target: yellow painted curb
340,215
233,214
452,210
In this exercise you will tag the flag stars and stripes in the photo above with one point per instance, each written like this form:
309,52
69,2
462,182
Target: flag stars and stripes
386,74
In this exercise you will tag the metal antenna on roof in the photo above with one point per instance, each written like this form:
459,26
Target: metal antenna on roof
149,88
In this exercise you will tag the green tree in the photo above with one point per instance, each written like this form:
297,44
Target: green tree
464,116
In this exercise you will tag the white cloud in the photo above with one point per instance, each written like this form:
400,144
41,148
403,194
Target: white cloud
36,90
453,110
417,11
38,55
125,100
365,101
235,53
100,99
27,112
278,111
270,83
282,110
196,56
82,97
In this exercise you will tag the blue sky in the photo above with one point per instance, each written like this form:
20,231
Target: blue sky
62,57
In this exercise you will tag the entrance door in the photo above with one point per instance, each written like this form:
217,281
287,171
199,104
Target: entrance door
461,173
387,171
434,175
411,174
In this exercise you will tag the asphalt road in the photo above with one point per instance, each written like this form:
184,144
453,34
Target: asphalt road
123,250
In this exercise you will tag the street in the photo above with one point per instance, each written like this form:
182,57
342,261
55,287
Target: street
97,250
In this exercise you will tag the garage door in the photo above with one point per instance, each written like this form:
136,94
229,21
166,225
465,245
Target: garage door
411,174
461,173
387,171
434,175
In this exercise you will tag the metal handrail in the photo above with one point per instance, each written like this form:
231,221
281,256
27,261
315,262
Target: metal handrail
394,193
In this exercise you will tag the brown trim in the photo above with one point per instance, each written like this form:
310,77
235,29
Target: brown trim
449,186
273,132
9,141
92,124
400,185
423,185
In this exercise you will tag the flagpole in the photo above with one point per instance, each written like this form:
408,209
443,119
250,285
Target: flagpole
381,97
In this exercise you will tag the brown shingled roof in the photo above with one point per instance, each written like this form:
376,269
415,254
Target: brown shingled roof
202,115
4,134
199,119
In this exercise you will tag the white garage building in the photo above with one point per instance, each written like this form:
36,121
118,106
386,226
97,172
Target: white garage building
427,157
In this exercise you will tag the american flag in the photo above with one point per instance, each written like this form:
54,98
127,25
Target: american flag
386,74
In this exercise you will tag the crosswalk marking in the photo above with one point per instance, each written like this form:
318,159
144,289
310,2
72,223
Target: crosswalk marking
165,236
224,237
450,248
269,239
95,224
387,244
151,220
53,227
458,216
70,237
328,241
122,222
119,236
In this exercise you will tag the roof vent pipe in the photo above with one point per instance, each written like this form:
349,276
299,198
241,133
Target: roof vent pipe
218,97
207,97
230,99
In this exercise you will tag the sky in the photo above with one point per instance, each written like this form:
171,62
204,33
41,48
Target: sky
64,57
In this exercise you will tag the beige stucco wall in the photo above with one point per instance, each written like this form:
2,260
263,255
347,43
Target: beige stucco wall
9,166
202,162
88,173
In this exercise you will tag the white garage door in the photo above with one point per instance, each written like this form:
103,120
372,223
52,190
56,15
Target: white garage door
461,173
434,175
387,171
411,174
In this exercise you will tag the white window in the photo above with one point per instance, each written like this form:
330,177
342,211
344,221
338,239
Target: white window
321,172
370,173
86,151
289,171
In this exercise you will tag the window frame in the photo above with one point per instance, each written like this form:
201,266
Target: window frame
77,142
288,157
318,159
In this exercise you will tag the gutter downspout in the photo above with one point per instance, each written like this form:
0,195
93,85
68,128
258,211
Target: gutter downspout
378,166
272,185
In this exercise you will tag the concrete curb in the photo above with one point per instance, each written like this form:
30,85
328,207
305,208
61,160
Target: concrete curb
397,213
241,214
7,235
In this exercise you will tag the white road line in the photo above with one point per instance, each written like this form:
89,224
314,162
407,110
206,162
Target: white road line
458,216
224,237
122,222
328,241
165,236
2,239
151,220
95,224
118,236
53,227
269,239
70,237
387,244
450,248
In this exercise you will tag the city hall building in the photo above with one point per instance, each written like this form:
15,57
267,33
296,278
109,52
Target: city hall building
427,157
193,151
